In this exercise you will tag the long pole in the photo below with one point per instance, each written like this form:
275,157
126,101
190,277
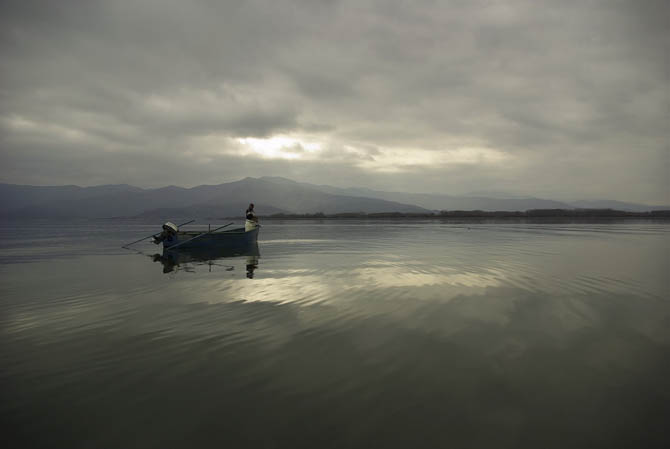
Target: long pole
152,235
197,237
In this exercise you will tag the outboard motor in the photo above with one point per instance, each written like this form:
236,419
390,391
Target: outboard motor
169,231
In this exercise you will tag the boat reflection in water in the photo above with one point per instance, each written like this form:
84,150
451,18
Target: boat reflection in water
188,259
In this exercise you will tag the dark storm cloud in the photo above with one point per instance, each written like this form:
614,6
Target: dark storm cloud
564,99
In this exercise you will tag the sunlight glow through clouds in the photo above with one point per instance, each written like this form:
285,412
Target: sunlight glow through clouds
398,160
309,148
385,160
282,147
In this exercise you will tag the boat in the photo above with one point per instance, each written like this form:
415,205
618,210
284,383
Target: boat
238,238
233,238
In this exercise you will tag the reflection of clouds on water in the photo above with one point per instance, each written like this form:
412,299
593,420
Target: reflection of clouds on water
412,292
301,241
417,337
487,356
391,275
539,337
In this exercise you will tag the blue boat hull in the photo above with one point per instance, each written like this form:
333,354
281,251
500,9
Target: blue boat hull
234,238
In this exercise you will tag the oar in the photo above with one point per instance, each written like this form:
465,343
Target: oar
197,236
153,235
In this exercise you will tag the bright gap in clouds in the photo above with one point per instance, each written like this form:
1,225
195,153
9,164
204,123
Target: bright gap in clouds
282,147
387,160
405,160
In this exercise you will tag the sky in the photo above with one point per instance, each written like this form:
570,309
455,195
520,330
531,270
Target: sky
557,99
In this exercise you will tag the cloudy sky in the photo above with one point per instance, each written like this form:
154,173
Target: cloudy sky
560,99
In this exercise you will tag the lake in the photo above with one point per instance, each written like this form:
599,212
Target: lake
335,334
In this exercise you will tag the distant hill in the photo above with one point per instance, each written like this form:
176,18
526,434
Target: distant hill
439,202
18,196
484,201
229,199
272,195
617,205
208,211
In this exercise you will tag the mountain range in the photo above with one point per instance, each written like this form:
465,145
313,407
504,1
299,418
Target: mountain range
271,195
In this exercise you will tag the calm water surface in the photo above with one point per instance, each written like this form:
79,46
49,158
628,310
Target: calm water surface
338,334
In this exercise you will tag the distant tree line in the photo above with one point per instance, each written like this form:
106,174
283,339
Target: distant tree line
533,213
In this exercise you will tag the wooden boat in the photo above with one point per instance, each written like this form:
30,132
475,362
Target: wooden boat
172,237
231,238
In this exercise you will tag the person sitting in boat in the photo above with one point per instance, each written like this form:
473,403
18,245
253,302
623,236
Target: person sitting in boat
252,219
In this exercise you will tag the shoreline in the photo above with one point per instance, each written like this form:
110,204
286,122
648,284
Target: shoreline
538,215
579,214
